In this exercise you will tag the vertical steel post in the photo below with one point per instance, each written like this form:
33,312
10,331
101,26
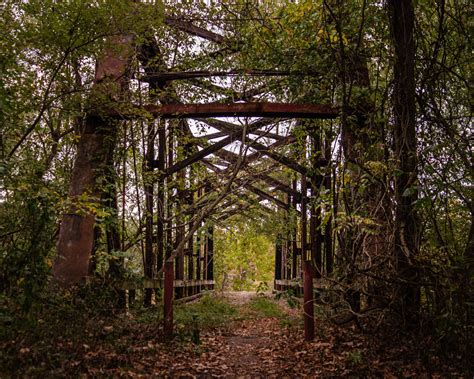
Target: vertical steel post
210,253
328,229
150,257
180,220
168,290
168,300
198,255
278,259
160,194
308,308
294,237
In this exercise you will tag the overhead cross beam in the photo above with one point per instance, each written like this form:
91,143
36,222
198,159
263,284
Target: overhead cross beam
190,28
231,95
279,186
266,150
260,133
197,156
280,158
267,196
247,184
231,158
183,75
277,110
225,128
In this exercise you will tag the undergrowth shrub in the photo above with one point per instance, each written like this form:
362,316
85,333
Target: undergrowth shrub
266,307
210,311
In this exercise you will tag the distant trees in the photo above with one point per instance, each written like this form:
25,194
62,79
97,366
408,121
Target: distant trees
243,255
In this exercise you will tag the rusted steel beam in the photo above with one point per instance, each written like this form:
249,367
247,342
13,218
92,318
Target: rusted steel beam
267,196
231,95
160,232
277,185
283,159
209,257
262,149
150,255
244,207
190,28
279,110
308,307
263,133
208,137
232,157
199,155
247,184
228,127
294,236
182,75
260,133
168,290
278,260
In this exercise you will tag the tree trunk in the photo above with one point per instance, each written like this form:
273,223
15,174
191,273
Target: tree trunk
97,140
404,112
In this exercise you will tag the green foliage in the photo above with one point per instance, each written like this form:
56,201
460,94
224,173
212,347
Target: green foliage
266,307
210,312
262,288
289,296
355,358
26,229
47,65
243,255
61,323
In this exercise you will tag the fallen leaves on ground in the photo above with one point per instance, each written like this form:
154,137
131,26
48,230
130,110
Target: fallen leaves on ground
249,347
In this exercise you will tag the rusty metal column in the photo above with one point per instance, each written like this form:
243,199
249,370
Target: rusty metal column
198,256
328,244
190,249
294,237
180,219
168,290
210,255
160,194
168,299
150,257
308,308
278,261
315,226
287,261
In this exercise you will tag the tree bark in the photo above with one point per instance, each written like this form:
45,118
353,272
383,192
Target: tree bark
404,113
96,142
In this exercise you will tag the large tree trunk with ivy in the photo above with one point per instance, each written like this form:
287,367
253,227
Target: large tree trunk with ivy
406,193
97,141
363,243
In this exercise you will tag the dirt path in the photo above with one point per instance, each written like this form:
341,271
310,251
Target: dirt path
243,351
238,338
247,349
274,347
239,297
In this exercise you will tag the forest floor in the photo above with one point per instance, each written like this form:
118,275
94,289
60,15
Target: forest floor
235,334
